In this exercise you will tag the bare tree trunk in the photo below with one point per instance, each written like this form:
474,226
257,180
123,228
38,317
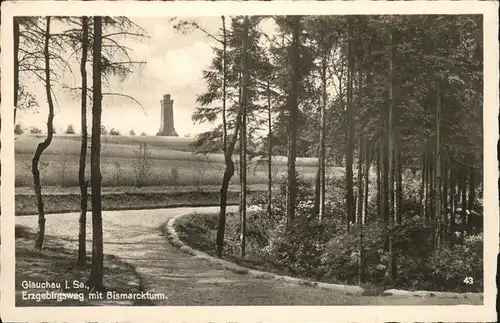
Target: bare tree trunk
463,175
379,152
472,190
224,85
431,195
422,186
359,207
386,186
322,129
293,106
399,188
317,189
351,207
437,185
392,251
82,234
368,160
425,206
453,202
269,153
17,34
228,151
96,272
43,145
446,211
361,265
243,136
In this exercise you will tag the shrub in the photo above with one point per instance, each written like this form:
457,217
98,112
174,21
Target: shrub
35,130
142,165
70,130
131,132
174,176
143,134
18,130
449,266
63,164
114,132
104,131
340,261
117,173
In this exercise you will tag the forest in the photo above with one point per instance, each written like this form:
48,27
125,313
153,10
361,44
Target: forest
395,101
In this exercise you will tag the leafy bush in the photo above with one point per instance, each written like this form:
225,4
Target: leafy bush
340,261
35,130
174,176
114,132
118,173
142,165
70,130
450,266
18,129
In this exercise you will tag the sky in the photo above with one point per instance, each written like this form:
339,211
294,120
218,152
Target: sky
174,65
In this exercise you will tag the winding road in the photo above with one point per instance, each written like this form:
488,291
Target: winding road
134,236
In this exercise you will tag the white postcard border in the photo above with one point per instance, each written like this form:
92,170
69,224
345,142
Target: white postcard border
462,313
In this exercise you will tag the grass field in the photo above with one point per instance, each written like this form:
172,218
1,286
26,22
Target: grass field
171,162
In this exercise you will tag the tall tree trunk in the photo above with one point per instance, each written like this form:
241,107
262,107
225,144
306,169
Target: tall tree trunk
45,144
464,199
317,190
322,129
224,86
472,198
446,211
437,184
379,153
228,173
96,271
432,181
82,234
472,190
351,207
269,152
229,150
390,158
425,205
368,161
399,188
422,186
293,106
386,185
243,136
17,34
360,198
453,203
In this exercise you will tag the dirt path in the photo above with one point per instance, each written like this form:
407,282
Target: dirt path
134,237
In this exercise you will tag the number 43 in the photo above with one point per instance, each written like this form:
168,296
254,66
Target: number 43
469,280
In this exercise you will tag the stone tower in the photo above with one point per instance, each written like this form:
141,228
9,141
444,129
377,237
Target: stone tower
167,117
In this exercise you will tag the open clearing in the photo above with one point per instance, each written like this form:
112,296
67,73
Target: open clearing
172,162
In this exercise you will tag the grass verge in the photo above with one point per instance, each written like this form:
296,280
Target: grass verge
56,264
27,205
